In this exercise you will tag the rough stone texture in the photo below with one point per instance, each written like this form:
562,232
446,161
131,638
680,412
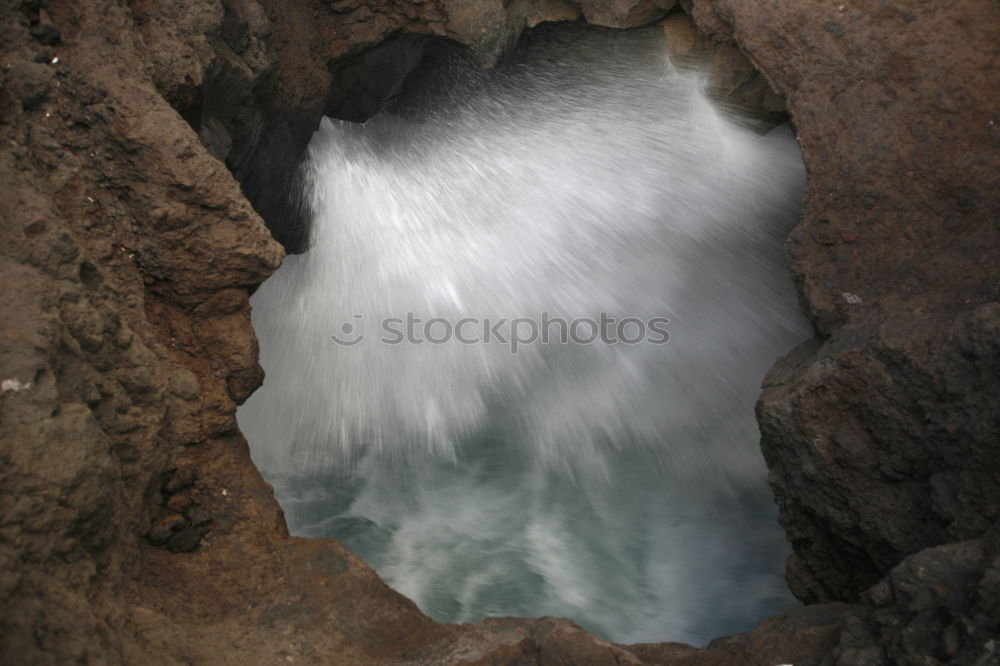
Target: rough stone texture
218,65
252,79
732,81
882,434
133,525
623,13
941,605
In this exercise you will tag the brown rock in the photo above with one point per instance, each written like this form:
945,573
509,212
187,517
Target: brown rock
624,13
46,33
128,237
30,82
164,528
552,11
880,435
732,80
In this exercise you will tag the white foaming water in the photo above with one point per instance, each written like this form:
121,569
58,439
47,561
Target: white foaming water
618,485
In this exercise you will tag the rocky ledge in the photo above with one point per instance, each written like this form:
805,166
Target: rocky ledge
142,143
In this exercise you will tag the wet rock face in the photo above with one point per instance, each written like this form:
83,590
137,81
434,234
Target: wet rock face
133,524
942,603
363,84
882,442
881,435
260,80
731,80
624,13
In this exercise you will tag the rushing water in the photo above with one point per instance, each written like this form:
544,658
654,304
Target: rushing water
619,485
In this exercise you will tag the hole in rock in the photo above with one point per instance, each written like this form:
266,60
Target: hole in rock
585,191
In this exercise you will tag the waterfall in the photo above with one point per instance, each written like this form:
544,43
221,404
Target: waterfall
616,481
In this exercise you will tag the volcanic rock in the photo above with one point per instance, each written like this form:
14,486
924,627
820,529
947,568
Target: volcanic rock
138,166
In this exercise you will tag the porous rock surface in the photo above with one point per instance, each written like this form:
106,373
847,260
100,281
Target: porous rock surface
142,142
882,434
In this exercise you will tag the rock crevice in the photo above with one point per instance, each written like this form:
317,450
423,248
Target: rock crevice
142,144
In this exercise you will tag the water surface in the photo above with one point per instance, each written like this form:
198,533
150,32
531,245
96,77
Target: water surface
619,485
